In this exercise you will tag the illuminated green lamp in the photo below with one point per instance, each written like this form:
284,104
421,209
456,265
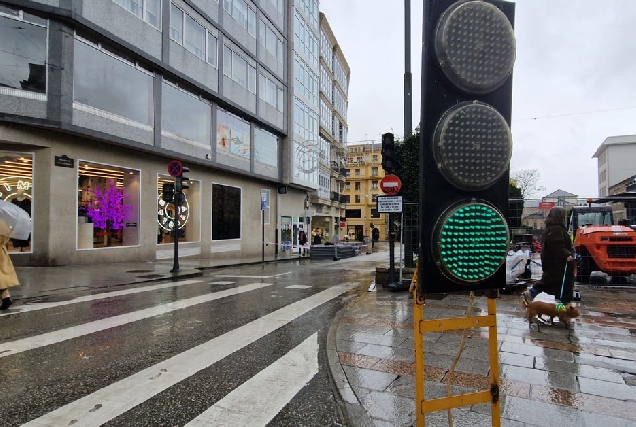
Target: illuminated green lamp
471,242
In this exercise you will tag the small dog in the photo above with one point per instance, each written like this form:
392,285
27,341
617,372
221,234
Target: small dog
536,309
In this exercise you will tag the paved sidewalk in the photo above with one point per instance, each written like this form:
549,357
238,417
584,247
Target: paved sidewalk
555,377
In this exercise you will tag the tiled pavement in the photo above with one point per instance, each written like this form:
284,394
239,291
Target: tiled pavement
551,377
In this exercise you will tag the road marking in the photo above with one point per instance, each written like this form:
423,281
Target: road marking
119,397
37,341
220,283
297,287
253,277
275,386
43,305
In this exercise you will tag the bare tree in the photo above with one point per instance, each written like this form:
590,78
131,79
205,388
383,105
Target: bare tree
527,180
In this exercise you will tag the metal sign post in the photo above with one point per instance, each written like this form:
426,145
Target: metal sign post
391,205
264,205
175,231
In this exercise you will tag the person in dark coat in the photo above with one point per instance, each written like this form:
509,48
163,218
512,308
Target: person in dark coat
557,259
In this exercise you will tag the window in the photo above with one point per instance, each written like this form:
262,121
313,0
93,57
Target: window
237,68
357,198
280,101
374,213
374,198
108,206
16,186
242,14
226,212
23,52
148,10
374,171
353,213
357,186
348,186
271,42
196,39
213,50
232,135
357,172
110,83
374,185
374,158
176,24
185,115
265,148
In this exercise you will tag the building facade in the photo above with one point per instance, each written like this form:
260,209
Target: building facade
364,173
97,98
615,162
327,203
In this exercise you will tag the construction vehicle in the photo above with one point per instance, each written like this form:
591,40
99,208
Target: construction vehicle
600,245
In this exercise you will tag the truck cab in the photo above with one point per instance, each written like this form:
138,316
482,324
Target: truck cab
600,245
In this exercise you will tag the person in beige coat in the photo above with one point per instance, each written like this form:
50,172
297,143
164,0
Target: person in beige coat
8,278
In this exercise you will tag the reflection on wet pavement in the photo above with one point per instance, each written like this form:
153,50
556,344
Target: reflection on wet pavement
555,376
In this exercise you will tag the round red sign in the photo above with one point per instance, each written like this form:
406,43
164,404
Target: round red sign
390,184
175,168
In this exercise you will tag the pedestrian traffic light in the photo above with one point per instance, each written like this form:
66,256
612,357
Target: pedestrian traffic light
182,181
466,144
388,153
168,192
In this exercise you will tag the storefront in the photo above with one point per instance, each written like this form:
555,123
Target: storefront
16,186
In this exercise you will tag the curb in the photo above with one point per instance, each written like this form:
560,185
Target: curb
352,410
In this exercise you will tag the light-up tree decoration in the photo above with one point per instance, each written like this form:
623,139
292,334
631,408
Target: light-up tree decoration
107,211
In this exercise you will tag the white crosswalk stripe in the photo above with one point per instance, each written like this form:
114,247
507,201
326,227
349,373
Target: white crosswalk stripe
114,400
88,298
18,346
282,380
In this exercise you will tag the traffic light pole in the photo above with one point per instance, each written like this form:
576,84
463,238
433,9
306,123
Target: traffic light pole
175,230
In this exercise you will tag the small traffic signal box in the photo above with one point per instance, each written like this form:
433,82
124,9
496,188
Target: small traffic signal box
167,192
466,144
181,181
388,153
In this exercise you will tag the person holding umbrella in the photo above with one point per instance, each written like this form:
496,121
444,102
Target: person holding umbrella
15,223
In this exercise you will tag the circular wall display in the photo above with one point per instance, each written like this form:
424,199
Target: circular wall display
165,214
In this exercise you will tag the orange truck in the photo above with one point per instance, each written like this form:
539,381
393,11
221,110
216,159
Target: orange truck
600,245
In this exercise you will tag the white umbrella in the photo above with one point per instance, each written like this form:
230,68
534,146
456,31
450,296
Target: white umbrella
15,222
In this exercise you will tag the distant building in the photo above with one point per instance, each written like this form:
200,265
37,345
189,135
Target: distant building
615,161
364,172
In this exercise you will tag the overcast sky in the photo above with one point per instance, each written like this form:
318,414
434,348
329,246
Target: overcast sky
575,61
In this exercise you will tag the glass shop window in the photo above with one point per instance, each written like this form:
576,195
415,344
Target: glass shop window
16,186
108,206
187,220
226,212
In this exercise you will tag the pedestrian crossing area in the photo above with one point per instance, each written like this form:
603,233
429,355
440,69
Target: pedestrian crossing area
240,351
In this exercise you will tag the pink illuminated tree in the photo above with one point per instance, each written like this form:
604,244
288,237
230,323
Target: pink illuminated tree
107,211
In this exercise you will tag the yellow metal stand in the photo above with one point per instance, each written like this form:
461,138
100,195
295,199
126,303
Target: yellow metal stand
422,326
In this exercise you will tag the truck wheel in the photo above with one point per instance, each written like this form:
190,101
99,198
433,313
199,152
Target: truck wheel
585,267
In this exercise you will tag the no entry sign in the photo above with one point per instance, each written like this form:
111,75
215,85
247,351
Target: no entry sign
390,184
175,168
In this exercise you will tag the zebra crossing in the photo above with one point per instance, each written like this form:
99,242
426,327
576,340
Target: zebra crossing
174,353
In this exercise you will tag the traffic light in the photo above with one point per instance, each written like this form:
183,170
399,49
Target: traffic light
168,192
388,153
182,181
466,144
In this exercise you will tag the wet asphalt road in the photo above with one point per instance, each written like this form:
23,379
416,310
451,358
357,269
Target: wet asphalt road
195,351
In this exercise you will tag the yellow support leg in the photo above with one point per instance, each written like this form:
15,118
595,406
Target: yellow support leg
422,326
418,338
494,361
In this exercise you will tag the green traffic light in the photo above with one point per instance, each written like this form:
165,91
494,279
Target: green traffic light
471,242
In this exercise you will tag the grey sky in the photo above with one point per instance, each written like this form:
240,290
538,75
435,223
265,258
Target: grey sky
572,57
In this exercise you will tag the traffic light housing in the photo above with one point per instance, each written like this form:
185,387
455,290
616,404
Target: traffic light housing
388,153
167,192
466,144
181,181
